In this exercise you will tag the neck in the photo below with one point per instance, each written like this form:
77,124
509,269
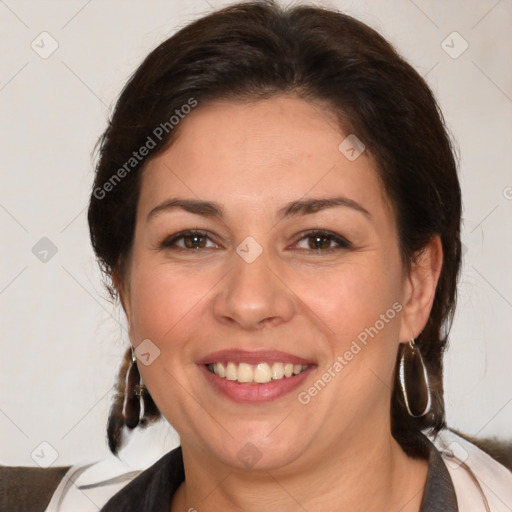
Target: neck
367,471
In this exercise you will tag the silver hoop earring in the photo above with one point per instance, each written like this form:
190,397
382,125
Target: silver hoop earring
414,381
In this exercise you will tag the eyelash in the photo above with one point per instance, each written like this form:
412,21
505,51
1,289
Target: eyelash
343,243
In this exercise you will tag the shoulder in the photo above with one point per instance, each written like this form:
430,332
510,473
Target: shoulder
478,479
87,487
113,485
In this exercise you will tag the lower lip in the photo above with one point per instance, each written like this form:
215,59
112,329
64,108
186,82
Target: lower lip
255,393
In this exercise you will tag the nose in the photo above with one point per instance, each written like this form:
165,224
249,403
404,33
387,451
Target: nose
253,296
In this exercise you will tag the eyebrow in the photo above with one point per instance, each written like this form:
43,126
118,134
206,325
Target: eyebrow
295,208
308,206
205,208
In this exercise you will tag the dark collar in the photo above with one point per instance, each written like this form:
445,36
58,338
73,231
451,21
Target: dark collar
439,495
153,489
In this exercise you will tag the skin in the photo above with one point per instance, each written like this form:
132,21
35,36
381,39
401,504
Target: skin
335,452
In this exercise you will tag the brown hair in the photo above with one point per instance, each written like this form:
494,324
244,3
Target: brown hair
256,50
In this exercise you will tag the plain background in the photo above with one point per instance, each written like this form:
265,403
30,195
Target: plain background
62,340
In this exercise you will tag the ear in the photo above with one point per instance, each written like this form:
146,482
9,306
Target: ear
420,288
123,292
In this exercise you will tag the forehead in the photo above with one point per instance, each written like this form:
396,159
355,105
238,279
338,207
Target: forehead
265,152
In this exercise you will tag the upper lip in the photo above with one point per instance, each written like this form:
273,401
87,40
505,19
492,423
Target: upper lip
253,357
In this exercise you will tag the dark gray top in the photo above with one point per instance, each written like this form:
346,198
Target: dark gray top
153,489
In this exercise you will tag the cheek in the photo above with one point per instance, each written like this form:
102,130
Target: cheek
354,298
162,299
167,303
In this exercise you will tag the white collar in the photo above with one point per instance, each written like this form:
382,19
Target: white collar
480,482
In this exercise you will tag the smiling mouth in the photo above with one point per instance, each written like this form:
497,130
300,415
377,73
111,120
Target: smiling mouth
260,373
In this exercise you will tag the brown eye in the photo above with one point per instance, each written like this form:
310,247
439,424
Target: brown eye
323,241
194,241
188,240
319,242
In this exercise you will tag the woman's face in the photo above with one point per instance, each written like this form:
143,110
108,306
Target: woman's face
276,280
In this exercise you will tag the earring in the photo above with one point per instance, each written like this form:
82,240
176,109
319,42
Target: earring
414,381
135,391
132,406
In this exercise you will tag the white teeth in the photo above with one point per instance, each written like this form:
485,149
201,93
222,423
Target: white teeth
260,373
245,373
231,371
277,371
220,370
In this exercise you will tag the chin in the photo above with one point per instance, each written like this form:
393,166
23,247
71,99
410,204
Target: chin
259,451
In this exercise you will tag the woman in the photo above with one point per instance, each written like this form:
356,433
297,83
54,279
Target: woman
277,207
